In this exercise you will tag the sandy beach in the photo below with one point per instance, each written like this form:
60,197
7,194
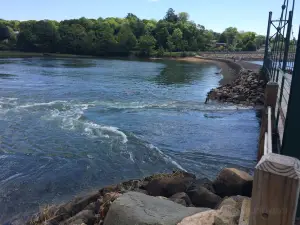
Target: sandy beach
230,70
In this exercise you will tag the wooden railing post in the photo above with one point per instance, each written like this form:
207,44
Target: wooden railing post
270,100
275,190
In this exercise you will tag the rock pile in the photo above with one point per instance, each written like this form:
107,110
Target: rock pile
247,89
162,199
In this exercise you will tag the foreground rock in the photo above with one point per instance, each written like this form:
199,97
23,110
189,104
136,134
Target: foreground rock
174,197
247,89
228,213
201,197
232,182
169,185
137,208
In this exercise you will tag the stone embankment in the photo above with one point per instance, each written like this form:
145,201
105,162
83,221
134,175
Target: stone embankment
247,89
178,198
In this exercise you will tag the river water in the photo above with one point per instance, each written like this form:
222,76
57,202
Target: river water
68,126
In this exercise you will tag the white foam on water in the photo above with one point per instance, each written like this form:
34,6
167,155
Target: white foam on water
177,105
71,120
6,104
30,105
3,156
132,105
12,177
166,157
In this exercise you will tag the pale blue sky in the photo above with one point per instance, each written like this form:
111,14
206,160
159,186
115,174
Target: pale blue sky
247,15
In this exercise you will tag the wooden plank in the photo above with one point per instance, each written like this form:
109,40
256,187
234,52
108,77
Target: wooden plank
266,144
275,190
245,212
270,129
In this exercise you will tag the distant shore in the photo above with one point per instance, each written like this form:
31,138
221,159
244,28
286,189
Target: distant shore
18,54
230,70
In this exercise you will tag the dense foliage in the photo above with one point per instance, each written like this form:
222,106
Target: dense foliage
123,36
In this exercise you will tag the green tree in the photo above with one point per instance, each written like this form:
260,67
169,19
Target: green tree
177,39
250,46
259,41
47,36
146,45
171,17
183,17
162,33
170,44
126,40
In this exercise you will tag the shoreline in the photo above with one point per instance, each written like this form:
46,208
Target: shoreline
230,69
127,201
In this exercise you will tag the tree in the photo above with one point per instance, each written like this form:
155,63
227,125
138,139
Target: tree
170,44
250,46
146,44
259,41
47,36
223,38
183,17
177,38
162,34
120,36
4,33
231,34
72,39
171,17
126,40
105,42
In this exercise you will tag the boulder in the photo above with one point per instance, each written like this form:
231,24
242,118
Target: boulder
86,216
137,208
232,182
169,185
107,201
226,215
201,197
235,201
203,182
181,198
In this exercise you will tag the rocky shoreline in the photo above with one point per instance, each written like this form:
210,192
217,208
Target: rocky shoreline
162,199
247,89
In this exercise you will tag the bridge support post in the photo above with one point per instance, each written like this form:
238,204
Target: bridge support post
266,64
275,190
287,41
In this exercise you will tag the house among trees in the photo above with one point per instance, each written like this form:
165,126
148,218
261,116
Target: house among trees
219,44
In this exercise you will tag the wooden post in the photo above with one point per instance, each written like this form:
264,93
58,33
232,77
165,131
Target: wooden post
270,100
275,190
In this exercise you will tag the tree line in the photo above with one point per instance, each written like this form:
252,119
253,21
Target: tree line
124,36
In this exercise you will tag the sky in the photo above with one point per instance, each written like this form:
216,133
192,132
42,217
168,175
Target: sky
246,15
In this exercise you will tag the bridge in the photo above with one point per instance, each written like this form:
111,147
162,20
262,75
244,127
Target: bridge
275,191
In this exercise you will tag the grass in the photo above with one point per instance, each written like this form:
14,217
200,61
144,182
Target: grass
18,54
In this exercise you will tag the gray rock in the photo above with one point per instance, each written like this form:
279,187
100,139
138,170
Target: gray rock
86,216
139,209
231,182
201,197
181,198
169,185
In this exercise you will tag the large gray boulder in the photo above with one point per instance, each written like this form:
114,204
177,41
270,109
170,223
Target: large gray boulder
140,209
201,197
231,182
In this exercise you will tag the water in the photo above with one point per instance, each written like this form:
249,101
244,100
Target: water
290,65
257,62
68,126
